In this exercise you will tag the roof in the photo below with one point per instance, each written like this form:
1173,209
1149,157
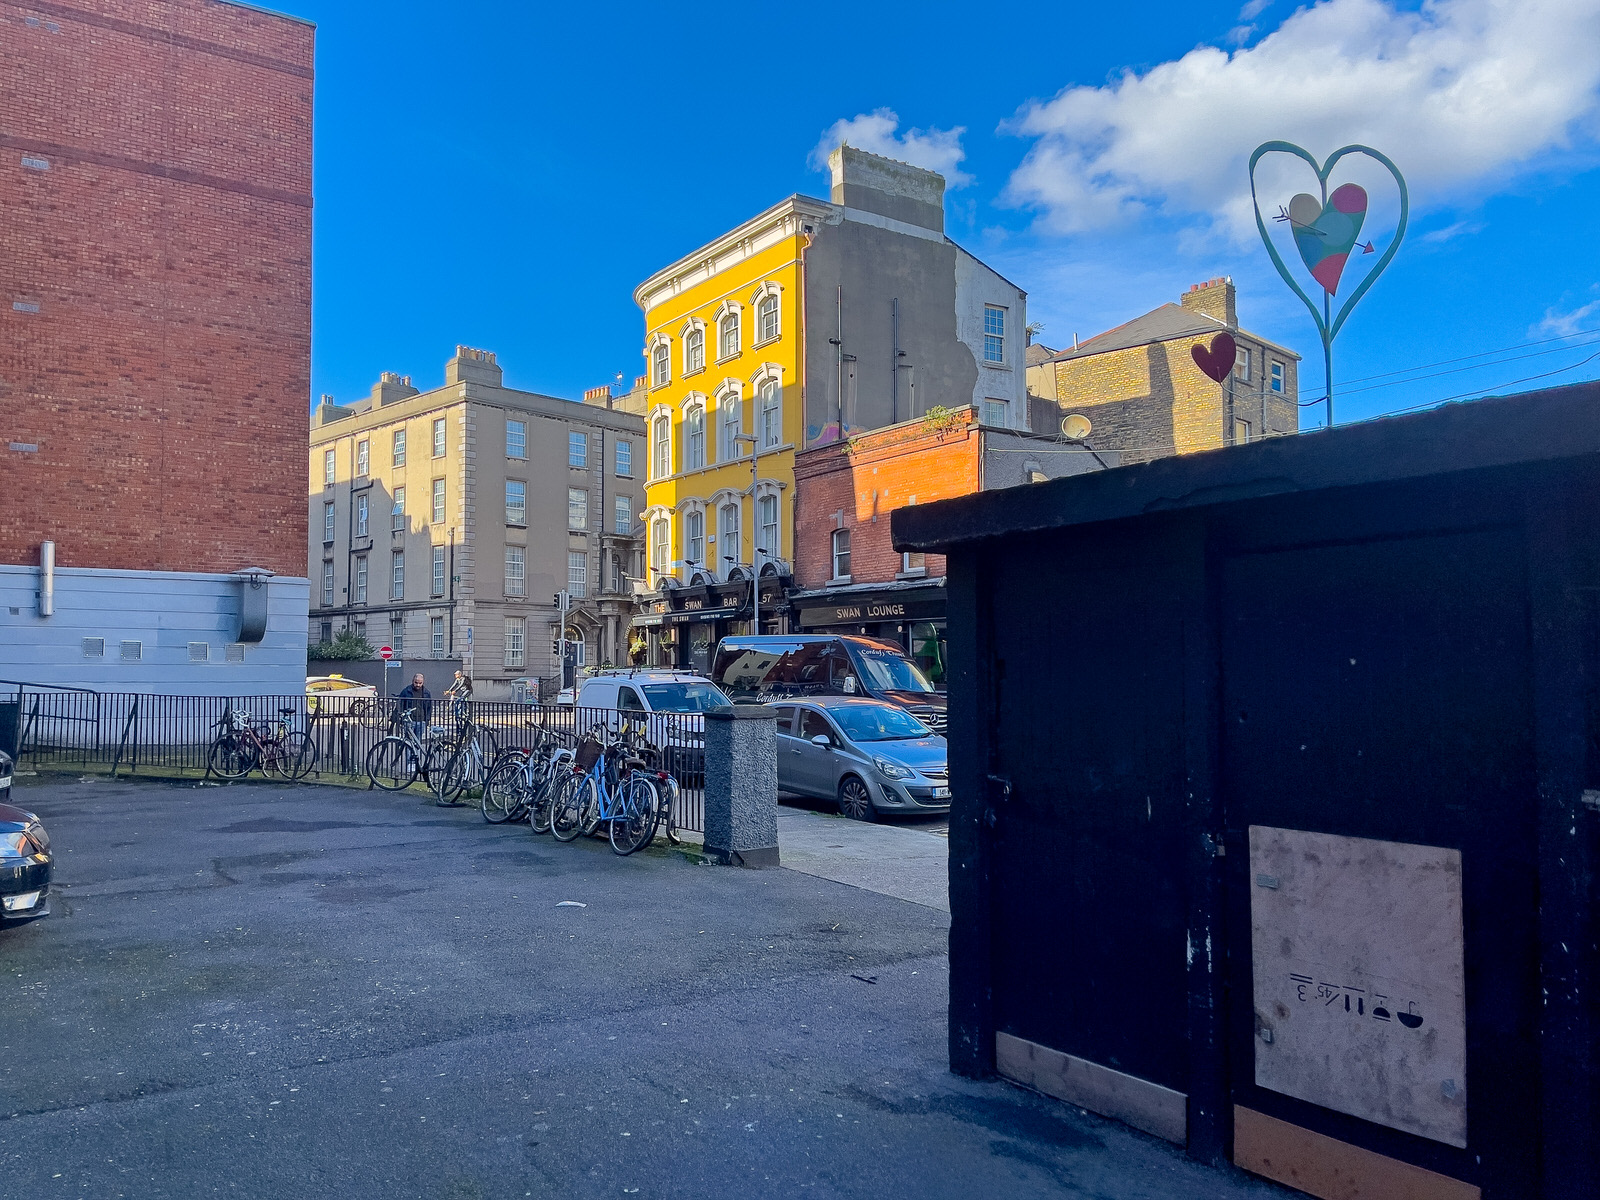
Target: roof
1533,427
1164,324
1038,352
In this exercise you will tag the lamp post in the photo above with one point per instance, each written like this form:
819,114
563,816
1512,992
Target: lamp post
755,521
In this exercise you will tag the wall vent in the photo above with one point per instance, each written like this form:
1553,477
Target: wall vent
199,652
236,652
94,647
132,651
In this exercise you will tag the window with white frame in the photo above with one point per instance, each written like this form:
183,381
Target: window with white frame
438,502
694,350
516,642
660,546
767,317
397,511
327,586
516,502
771,414
397,575
577,508
661,445
363,458
516,571
577,449
397,636
577,574
994,333
327,466
623,517
728,335
1277,378
397,450
436,636
660,364
1241,363
360,627
326,629
361,579
766,528
625,459
516,439
694,538
730,424
694,435
361,515
913,562
1241,432
841,554
729,541
438,437
327,523
438,570
997,413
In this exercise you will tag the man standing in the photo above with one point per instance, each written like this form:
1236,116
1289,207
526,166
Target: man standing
419,700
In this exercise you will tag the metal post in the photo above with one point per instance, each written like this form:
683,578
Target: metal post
1327,359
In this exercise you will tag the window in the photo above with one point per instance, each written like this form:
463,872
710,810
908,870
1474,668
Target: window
728,540
516,439
660,545
660,364
997,413
516,502
438,502
327,631
363,457
994,334
397,575
841,554
1241,432
397,511
730,423
327,587
361,579
360,628
694,350
623,518
577,449
694,538
516,571
438,437
628,700
361,515
398,452
516,641
767,527
728,336
767,318
397,636
771,414
661,445
436,636
1277,378
327,523
913,562
327,466
694,425
577,574
1241,363
438,570
625,458
577,508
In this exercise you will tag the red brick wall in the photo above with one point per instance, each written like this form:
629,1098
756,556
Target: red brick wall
856,485
166,374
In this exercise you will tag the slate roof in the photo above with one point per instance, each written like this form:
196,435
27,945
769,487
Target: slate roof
1164,324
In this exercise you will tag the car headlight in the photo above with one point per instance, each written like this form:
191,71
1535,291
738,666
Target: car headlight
892,770
17,845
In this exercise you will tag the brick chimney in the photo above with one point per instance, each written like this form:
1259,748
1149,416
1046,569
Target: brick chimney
390,388
1215,298
600,396
473,366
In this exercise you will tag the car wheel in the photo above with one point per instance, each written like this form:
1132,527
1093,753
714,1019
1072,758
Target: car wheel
855,801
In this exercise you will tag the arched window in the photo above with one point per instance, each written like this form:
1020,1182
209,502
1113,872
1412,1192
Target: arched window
694,350
661,445
771,414
730,423
660,545
767,318
694,435
729,543
694,538
728,335
660,363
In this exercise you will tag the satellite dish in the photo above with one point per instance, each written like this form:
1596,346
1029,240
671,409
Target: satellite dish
1076,427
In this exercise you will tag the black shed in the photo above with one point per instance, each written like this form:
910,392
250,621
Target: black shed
1277,779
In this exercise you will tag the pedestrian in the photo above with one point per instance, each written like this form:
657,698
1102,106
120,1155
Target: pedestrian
419,700
458,693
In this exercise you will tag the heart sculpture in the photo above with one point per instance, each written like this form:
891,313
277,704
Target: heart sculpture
1218,360
1326,234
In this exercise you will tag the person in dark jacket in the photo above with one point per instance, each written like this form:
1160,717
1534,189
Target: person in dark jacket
416,697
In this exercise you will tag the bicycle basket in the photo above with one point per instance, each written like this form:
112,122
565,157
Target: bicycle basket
589,751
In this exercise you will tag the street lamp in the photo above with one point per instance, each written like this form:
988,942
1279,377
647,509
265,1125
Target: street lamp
755,523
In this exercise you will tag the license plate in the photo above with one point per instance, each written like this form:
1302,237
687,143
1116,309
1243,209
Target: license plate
941,793
5,781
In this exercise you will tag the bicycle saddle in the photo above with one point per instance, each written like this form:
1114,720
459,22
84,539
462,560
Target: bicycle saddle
287,712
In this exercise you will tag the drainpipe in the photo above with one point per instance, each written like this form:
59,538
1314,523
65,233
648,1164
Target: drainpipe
47,578
450,623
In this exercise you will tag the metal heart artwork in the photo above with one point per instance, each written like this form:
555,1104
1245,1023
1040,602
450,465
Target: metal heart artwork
1217,360
1326,234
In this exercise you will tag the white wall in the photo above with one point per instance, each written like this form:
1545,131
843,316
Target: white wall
976,285
163,610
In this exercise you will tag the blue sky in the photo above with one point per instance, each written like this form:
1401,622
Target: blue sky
503,175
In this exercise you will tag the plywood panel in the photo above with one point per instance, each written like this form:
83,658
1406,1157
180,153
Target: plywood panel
1331,1169
1138,1102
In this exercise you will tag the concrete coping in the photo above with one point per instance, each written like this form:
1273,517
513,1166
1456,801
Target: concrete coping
742,712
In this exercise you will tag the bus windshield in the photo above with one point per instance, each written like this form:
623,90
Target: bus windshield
885,670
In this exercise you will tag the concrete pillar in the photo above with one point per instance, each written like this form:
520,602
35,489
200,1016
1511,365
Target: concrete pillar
742,785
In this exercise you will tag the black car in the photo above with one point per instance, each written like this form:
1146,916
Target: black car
801,665
24,858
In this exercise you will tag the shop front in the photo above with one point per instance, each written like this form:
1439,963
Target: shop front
681,626
912,617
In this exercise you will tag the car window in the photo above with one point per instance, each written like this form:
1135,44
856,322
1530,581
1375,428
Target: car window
813,723
684,697
879,723
628,699
785,719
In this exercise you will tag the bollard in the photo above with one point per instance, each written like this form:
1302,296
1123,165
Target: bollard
742,785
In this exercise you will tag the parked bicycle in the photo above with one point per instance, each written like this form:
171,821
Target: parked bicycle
608,783
412,750
467,767
519,784
243,744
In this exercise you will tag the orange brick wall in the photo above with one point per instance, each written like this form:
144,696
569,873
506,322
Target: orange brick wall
857,484
165,377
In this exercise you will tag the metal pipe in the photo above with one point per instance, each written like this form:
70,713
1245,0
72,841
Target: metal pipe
47,578
894,361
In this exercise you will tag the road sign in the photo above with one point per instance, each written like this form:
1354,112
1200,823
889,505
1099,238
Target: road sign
386,652
469,635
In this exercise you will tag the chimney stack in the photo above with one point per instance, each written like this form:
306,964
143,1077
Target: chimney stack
888,188
1214,298
390,388
598,396
473,366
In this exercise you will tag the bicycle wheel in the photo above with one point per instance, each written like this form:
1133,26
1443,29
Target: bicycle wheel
500,790
569,806
636,827
392,764
450,781
231,757
543,798
434,761
300,753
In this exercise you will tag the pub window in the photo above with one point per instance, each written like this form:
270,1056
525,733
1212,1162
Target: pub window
841,554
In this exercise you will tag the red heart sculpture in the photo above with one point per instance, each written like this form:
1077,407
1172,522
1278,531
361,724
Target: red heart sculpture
1217,361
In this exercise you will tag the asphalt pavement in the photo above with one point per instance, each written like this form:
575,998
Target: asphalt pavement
259,992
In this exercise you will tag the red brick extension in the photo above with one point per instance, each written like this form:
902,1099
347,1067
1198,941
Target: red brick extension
167,250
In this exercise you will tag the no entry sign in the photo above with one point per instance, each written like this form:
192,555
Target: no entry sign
386,652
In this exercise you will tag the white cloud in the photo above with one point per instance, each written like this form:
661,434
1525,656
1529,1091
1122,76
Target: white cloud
1557,323
1461,95
933,149
1254,9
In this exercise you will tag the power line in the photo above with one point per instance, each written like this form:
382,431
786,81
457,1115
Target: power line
1481,354
1476,367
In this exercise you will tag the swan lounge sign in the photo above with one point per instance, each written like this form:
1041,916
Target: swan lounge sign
866,611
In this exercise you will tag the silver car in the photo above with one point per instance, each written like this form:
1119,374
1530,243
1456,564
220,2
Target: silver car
870,756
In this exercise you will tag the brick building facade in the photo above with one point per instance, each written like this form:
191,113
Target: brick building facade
155,320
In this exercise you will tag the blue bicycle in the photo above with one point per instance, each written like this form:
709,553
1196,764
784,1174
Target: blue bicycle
608,783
